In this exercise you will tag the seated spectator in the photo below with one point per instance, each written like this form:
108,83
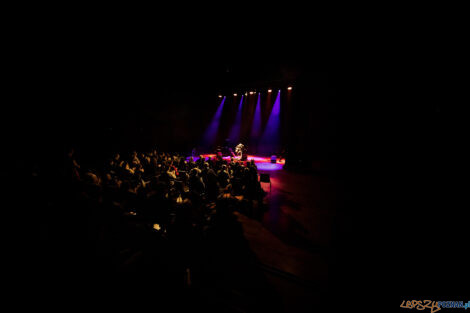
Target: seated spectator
196,185
212,184
171,172
223,176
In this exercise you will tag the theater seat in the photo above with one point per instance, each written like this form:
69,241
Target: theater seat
265,178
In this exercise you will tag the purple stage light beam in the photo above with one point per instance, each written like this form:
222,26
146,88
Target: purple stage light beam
210,135
256,126
270,140
235,131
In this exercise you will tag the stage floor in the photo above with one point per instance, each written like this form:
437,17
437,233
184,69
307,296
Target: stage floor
262,163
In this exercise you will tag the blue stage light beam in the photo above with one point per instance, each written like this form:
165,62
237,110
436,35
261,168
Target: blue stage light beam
270,140
256,126
210,134
236,127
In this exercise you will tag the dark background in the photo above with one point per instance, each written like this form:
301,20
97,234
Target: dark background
370,127
101,102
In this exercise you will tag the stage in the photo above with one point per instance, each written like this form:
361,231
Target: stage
262,163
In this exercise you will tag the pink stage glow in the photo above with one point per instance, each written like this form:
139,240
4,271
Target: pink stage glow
263,163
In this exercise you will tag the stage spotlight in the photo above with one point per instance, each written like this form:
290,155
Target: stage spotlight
270,90
251,92
246,93
235,95
289,88
220,96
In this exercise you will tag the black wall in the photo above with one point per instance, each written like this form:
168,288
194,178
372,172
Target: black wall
101,104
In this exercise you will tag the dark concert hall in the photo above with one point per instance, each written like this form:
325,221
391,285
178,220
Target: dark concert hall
196,182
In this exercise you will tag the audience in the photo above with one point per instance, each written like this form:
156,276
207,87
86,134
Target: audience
161,188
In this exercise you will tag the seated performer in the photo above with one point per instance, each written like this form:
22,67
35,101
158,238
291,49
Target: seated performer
239,150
